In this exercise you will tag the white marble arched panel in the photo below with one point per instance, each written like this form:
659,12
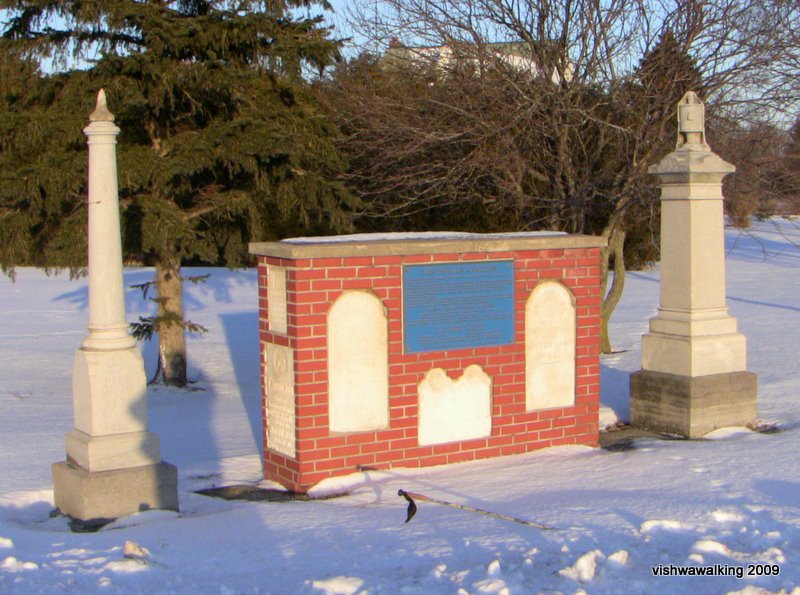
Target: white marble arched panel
358,363
550,323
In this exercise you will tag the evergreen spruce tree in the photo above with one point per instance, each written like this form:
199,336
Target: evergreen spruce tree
665,74
221,140
644,108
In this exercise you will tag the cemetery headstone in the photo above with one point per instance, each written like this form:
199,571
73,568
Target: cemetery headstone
113,466
694,375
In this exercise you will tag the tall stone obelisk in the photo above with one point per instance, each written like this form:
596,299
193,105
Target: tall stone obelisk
113,465
694,375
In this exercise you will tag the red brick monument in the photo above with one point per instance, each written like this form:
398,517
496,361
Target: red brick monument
409,350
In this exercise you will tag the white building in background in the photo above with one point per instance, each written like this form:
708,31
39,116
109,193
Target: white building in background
515,54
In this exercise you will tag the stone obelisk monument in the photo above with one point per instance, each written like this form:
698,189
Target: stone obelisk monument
693,377
113,465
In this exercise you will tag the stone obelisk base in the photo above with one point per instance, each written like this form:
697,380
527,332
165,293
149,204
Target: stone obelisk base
97,498
692,406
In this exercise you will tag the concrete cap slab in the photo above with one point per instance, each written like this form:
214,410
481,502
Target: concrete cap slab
401,244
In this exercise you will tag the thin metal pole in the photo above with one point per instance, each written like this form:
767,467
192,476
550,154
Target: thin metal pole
412,509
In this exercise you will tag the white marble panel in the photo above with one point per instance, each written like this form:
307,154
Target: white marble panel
280,398
276,299
550,320
358,363
453,410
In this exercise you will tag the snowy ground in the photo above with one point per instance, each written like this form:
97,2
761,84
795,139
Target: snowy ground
733,501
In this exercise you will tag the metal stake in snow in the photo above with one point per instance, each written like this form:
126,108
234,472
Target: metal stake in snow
412,509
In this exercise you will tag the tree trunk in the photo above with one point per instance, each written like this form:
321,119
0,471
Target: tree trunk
615,248
171,337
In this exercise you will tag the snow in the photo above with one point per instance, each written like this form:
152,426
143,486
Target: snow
725,503
417,235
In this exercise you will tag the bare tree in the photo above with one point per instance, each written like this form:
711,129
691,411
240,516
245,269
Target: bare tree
760,151
562,137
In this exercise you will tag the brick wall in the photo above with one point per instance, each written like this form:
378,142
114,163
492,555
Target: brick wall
313,284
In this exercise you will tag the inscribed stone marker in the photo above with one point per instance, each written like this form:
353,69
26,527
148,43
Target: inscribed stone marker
452,410
279,379
358,363
276,299
549,347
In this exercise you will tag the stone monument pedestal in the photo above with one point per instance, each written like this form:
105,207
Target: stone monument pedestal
99,497
692,406
113,466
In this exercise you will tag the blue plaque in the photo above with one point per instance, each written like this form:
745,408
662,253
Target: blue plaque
458,305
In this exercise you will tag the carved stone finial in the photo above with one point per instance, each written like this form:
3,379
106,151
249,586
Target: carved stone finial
692,123
101,113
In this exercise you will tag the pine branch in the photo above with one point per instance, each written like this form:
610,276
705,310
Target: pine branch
148,325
